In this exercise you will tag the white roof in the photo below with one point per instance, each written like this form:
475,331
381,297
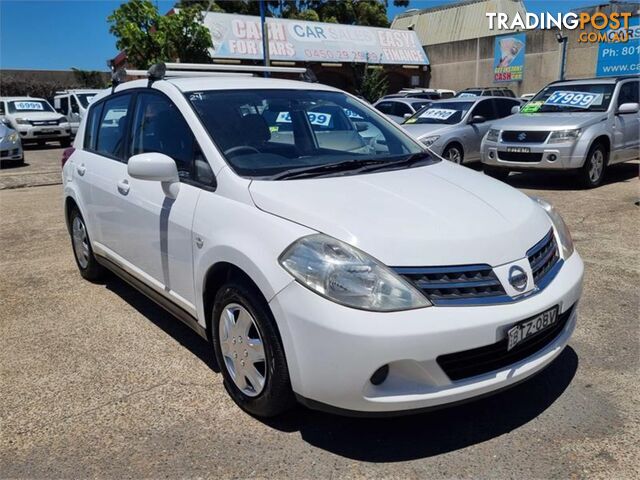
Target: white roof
191,84
12,99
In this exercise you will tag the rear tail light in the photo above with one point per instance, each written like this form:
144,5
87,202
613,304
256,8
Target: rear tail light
66,154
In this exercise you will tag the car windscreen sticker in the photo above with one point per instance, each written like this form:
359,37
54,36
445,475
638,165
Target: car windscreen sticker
532,107
411,120
438,113
352,114
29,106
563,98
467,95
320,119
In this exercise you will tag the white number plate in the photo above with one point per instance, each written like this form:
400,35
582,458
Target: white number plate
530,327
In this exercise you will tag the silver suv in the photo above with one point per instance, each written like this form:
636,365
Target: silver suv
580,125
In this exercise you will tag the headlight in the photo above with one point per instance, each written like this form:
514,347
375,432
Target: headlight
22,121
13,137
428,141
348,276
492,135
561,229
562,136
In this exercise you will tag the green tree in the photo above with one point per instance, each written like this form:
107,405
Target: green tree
89,79
373,82
148,37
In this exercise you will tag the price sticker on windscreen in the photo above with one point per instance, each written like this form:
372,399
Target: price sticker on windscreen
563,98
320,119
438,113
29,106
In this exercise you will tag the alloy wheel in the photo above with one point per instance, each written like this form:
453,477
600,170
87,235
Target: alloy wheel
242,349
80,242
596,166
454,155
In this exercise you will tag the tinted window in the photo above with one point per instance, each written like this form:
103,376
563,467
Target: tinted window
113,125
91,130
158,126
386,107
485,109
504,107
418,105
602,92
401,108
64,105
1,108
629,93
74,105
85,98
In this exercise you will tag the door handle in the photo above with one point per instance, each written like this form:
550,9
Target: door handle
81,169
123,186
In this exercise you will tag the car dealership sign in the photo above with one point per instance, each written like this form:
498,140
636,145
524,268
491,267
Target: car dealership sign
240,37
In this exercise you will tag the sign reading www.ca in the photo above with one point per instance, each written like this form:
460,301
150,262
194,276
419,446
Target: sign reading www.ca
620,58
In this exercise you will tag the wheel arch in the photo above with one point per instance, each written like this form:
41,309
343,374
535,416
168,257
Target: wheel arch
606,141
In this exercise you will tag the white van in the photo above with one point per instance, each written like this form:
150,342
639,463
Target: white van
35,120
73,105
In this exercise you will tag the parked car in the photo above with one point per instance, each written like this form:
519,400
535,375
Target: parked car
486,92
401,108
376,283
73,105
454,128
527,96
35,120
10,146
577,125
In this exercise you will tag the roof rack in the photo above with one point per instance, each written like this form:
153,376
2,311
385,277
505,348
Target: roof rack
164,70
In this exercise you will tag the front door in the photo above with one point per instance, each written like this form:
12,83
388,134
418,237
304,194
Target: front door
627,125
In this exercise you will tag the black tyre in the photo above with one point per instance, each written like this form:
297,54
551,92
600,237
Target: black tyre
65,142
592,172
249,351
454,153
498,173
89,268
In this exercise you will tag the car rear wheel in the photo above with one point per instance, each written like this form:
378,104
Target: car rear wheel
89,268
454,154
498,173
592,172
249,351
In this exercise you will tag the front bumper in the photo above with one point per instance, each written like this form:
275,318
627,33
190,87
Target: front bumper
332,350
11,151
543,156
52,132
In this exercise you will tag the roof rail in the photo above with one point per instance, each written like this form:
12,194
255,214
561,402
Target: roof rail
160,71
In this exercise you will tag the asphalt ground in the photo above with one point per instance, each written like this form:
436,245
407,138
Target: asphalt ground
97,381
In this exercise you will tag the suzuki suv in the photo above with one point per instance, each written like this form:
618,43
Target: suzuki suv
579,125
374,281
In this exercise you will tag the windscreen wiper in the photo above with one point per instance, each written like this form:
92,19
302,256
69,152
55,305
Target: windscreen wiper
313,171
407,161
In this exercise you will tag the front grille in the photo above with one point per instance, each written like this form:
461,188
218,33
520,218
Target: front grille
524,137
481,360
519,156
45,134
459,284
42,123
543,256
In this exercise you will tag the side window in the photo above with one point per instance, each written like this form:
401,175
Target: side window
1,108
74,105
112,130
385,107
485,109
401,108
504,107
91,128
629,93
158,126
64,105
498,93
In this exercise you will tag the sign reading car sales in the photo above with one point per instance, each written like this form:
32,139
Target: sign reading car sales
240,37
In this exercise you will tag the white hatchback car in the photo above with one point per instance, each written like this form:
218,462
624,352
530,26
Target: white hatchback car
375,282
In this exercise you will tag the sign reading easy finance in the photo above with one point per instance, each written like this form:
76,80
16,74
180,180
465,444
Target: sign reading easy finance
240,37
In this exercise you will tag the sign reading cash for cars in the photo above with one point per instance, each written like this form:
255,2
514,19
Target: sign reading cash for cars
240,37
508,58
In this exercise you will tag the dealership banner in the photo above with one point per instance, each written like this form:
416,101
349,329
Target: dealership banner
240,37
620,58
508,58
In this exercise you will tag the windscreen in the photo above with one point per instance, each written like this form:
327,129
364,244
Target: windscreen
266,132
445,113
571,98
18,106
85,98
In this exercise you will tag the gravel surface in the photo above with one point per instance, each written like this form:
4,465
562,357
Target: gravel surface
97,381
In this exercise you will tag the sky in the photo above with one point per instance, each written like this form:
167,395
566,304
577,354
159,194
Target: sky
61,34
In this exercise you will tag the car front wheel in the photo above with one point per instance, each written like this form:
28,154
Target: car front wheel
592,172
249,351
454,154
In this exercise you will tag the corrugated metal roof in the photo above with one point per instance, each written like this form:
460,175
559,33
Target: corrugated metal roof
455,21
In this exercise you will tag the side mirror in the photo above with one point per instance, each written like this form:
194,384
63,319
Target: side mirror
477,119
629,108
156,167
407,115
361,126
515,109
